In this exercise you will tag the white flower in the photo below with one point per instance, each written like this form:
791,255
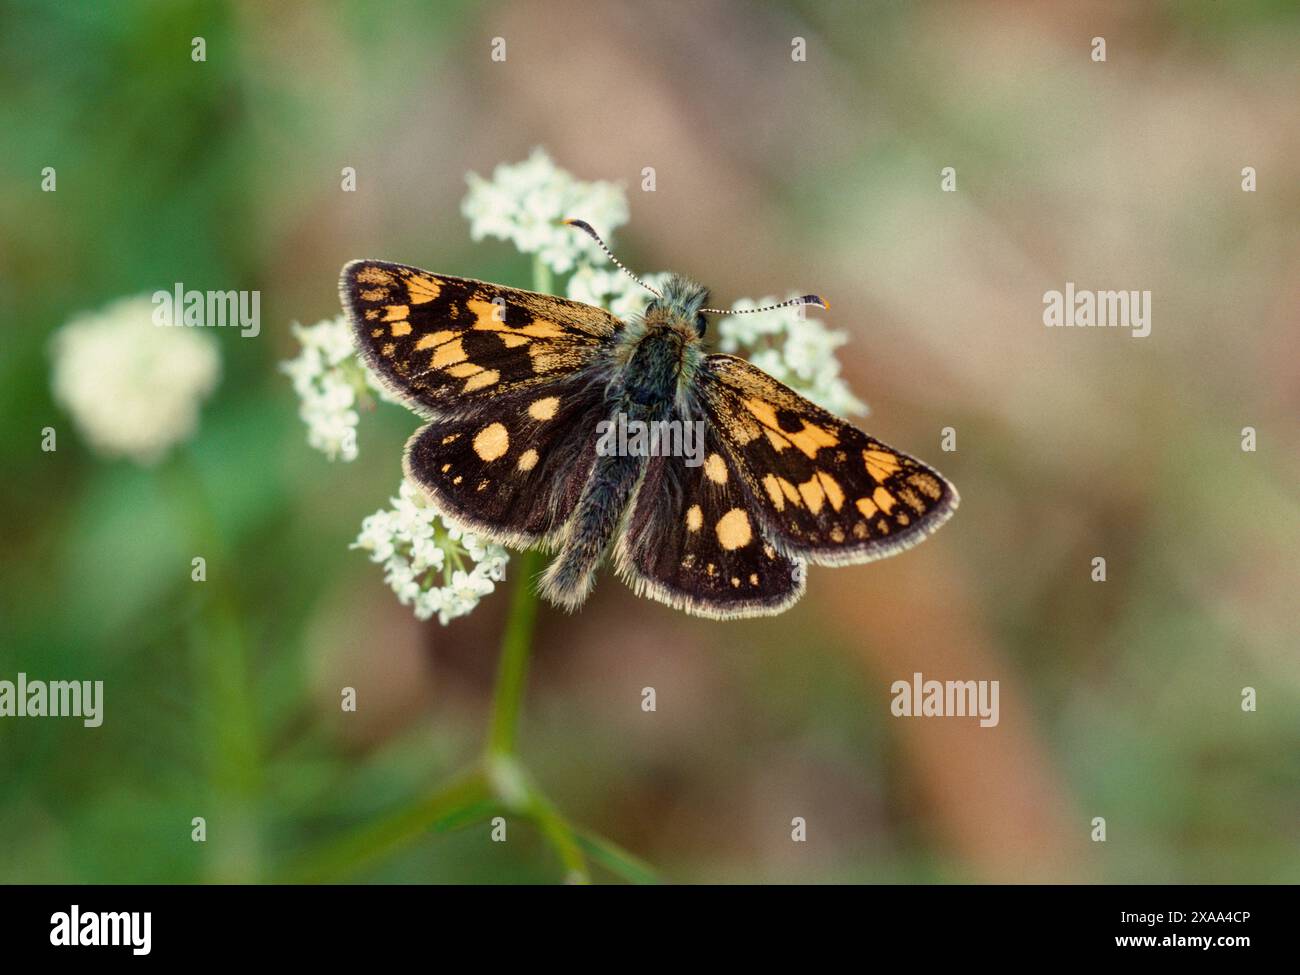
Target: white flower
611,289
133,389
331,382
525,203
432,564
794,348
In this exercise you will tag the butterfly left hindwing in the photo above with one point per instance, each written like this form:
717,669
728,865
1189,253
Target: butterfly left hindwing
512,469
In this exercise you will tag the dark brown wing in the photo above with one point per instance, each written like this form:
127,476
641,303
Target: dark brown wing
692,541
822,488
443,343
511,469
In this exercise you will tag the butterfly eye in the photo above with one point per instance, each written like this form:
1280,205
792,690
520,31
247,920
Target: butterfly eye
701,325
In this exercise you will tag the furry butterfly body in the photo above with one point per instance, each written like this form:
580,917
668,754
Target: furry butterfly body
518,387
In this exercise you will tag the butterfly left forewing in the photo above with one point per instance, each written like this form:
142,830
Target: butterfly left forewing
824,489
443,343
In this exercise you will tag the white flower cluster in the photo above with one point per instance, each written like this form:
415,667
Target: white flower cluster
789,346
432,564
132,389
526,202
611,289
330,382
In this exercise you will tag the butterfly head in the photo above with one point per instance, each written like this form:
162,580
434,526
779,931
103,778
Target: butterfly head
679,305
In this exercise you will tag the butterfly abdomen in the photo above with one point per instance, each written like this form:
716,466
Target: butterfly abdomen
591,529
643,391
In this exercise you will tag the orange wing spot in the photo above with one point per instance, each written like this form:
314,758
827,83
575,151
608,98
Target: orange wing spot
528,460
837,534
395,313
491,442
866,506
860,530
434,338
753,578
833,490
735,582
388,349
927,484
882,526
463,370
791,492
715,469
374,275
421,289
372,314
812,494
734,530
779,443
773,485
694,518
448,354
485,320
374,294
400,328
544,409
902,518
813,438
513,341
765,412
450,437
481,379
881,463
911,499
884,500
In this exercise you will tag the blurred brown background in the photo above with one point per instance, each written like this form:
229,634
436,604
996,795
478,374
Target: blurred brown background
1119,700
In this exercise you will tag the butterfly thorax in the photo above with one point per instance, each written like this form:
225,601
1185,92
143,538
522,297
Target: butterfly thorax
659,351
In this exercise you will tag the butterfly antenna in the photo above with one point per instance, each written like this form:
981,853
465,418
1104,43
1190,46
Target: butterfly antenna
587,229
804,300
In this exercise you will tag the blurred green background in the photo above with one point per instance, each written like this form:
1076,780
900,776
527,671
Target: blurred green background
1119,700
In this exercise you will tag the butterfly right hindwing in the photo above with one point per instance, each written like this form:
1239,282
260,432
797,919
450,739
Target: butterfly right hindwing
691,540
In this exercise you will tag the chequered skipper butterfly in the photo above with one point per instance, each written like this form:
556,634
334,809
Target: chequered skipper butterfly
514,384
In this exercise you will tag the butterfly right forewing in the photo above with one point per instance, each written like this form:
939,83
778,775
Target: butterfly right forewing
824,489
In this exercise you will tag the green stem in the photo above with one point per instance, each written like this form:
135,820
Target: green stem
542,280
516,648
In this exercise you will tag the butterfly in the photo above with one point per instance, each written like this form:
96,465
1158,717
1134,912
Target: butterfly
521,389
